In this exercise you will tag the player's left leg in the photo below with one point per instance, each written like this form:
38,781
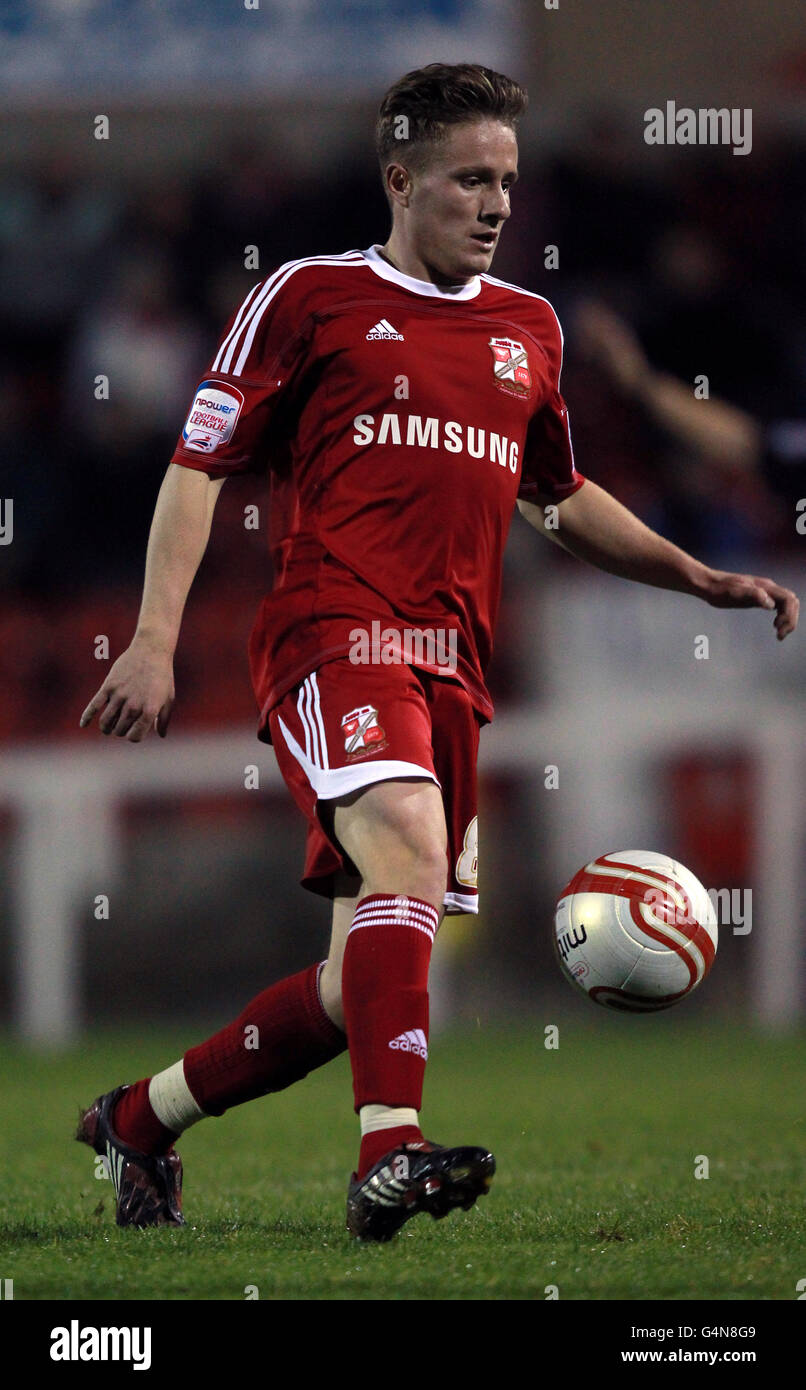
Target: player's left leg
285,1032
344,905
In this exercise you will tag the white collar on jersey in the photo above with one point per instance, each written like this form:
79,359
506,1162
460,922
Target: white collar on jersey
387,271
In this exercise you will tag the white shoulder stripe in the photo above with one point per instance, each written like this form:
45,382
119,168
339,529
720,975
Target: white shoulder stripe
224,357
250,315
233,331
262,303
505,285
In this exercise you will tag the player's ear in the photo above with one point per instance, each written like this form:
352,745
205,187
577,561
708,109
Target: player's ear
398,184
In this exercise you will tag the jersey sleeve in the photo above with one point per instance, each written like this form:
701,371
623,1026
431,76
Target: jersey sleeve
548,472
260,354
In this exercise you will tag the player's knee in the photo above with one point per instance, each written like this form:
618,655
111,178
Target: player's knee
418,868
417,823
397,838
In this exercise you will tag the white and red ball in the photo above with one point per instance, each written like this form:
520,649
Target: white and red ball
635,930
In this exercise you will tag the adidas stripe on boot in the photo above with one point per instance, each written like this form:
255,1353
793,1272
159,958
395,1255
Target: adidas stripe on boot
414,1178
148,1189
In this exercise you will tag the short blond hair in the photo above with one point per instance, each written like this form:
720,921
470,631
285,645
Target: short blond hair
421,107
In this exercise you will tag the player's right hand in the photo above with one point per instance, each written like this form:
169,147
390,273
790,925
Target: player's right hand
137,695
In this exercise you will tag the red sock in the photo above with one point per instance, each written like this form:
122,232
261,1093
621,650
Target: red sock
380,1141
385,997
278,1038
282,1035
135,1123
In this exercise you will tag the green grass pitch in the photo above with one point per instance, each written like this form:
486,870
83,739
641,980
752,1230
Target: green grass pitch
597,1145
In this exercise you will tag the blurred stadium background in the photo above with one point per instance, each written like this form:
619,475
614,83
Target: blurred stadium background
232,127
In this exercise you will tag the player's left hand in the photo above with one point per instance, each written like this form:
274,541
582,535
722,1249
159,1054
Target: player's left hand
748,591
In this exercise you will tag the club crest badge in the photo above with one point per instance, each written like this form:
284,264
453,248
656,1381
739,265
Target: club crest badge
362,733
511,366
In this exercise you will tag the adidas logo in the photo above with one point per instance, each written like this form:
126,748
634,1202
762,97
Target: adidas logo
414,1041
114,1163
384,329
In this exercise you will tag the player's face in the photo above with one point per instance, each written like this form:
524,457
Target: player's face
460,200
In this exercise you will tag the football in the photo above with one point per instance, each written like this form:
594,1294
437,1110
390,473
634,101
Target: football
635,930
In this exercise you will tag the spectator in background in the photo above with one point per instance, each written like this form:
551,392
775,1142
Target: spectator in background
720,451
703,314
137,336
55,232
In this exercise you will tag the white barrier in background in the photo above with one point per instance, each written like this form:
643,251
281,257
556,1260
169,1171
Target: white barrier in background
67,804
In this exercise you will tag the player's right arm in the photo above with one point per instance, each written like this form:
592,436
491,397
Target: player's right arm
227,430
138,693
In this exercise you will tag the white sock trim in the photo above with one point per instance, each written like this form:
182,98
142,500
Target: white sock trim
171,1099
375,1117
319,970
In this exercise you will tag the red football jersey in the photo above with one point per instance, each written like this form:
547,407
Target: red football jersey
400,421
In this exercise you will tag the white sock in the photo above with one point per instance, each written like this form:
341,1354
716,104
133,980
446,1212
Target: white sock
171,1099
381,1117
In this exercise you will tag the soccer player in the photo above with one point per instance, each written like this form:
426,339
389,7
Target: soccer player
403,401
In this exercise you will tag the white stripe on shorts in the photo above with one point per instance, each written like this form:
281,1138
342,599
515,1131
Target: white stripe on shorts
310,717
331,782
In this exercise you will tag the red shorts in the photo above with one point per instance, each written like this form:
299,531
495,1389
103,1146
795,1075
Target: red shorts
346,726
